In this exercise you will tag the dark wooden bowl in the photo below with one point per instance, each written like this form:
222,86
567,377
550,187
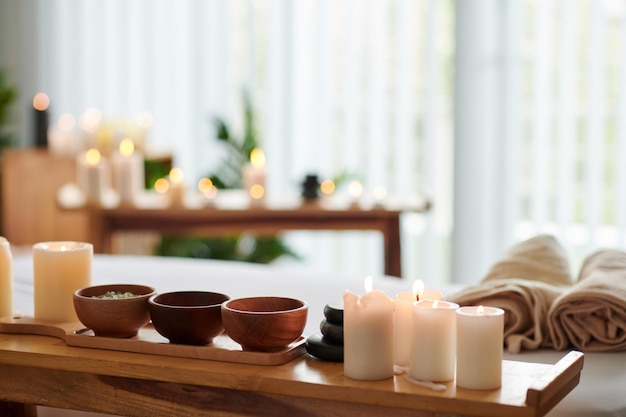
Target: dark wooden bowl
188,317
265,324
121,317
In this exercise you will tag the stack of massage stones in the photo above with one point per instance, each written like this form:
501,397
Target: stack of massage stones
328,345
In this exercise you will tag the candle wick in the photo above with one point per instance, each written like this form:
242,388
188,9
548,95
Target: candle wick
426,384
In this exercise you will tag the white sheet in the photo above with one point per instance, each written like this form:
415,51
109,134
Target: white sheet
603,380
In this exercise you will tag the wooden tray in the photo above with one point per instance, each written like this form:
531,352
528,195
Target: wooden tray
148,340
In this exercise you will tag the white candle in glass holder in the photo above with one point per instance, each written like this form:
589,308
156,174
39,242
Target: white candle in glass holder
60,268
433,340
480,332
368,335
6,278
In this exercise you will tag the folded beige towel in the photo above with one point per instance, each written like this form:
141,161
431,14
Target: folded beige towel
524,282
591,315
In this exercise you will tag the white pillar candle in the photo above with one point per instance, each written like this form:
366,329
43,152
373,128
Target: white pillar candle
402,319
480,332
368,336
431,295
6,278
93,175
128,172
60,268
433,341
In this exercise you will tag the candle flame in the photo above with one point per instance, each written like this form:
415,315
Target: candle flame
436,304
176,175
369,284
480,310
127,147
327,187
161,186
257,158
41,101
63,248
90,120
418,288
356,189
92,157
205,185
257,191
380,193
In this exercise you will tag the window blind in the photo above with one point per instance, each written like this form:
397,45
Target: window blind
357,86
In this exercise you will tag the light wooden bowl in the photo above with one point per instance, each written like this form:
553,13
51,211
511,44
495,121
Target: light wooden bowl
265,324
188,317
122,317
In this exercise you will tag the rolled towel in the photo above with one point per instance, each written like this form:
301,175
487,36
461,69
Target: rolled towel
524,282
541,258
591,315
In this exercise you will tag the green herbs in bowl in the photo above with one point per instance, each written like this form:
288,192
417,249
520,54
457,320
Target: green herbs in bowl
115,295
114,310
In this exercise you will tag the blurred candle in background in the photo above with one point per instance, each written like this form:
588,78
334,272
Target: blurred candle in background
62,139
41,102
176,189
6,278
89,122
208,190
254,175
128,172
355,188
94,176
59,268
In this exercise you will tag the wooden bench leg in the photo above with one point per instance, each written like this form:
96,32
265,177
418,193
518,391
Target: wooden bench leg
9,409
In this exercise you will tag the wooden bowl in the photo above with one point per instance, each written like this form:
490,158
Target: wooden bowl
265,324
113,317
188,317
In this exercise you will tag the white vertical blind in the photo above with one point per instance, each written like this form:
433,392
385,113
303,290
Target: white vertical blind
541,149
566,119
365,87
620,118
565,122
347,86
595,124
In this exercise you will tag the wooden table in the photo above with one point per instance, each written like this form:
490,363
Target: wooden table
43,370
104,222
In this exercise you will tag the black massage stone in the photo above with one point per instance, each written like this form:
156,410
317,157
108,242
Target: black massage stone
334,313
332,332
317,345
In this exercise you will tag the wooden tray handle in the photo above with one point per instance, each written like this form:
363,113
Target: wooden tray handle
547,391
28,325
